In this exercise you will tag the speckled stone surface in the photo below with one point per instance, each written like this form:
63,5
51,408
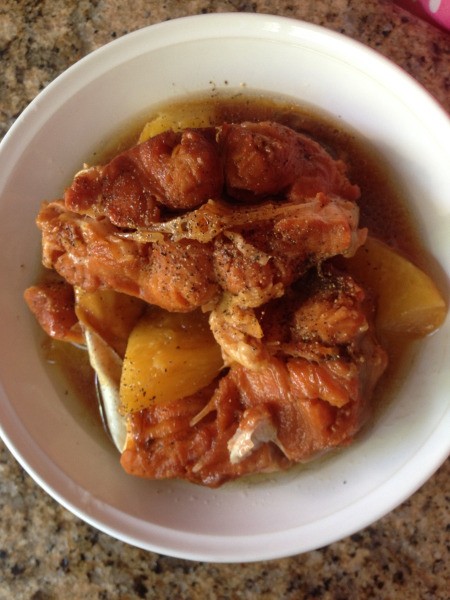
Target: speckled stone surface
46,552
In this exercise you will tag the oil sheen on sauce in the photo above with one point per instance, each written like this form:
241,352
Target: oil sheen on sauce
383,209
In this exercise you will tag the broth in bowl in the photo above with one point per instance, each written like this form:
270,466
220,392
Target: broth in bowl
277,350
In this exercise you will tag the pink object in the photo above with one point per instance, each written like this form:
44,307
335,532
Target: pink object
435,11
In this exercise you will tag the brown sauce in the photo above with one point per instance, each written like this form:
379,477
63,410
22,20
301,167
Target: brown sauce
383,210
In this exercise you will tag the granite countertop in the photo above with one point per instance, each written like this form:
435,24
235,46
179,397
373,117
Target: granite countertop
46,552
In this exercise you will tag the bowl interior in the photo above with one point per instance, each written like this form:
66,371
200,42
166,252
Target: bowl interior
264,517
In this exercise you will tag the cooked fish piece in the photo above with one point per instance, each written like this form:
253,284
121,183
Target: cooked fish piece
266,159
91,254
174,170
53,304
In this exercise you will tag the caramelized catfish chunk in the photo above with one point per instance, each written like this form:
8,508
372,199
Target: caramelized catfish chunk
164,443
320,315
120,191
265,251
192,173
312,408
88,253
260,159
91,254
319,172
312,394
262,261
53,304
181,277
173,170
326,363
267,158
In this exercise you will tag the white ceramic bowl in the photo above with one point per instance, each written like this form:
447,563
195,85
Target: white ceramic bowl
270,517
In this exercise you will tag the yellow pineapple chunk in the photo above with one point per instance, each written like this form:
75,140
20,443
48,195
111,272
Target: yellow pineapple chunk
408,301
177,119
169,356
